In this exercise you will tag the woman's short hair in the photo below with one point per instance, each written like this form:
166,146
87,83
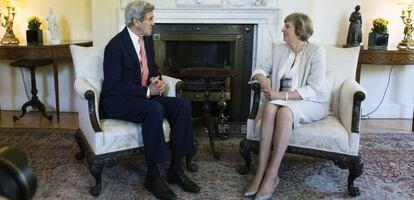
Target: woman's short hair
137,10
302,23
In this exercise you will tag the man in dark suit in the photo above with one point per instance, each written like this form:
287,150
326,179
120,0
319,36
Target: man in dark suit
132,91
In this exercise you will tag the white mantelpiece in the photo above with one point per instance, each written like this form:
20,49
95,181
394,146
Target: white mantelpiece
263,13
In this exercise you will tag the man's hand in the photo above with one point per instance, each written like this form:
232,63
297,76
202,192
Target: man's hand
153,90
156,86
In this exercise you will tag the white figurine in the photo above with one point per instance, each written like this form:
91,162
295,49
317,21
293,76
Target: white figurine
53,27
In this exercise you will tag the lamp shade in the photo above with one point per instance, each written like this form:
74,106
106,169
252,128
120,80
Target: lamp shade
404,2
11,3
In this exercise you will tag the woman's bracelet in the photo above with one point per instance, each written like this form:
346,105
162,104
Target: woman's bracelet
286,96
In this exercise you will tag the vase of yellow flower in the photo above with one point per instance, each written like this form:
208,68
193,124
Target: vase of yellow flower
378,37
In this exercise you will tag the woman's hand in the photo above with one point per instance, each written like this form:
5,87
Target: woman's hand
264,82
273,95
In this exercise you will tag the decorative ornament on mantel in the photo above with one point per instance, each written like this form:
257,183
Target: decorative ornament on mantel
378,38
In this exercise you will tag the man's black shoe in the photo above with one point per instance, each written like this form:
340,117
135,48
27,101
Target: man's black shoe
160,189
183,181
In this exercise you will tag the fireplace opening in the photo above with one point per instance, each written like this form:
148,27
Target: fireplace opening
184,54
209,46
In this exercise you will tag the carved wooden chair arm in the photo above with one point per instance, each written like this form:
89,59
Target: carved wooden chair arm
255,86
356,111
90,97
87,92
350,113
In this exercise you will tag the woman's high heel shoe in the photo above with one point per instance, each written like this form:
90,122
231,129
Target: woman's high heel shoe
264,197
250,193
267,196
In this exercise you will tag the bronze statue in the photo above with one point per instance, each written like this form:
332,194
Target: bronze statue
354,37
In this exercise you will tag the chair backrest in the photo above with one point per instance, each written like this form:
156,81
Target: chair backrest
88,63
341,64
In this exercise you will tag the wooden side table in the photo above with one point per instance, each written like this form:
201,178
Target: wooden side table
34,101
55,52
209,76
386,57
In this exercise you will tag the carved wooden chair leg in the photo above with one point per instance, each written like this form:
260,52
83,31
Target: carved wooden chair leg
356,167
96,167
188,159
78,138
245,151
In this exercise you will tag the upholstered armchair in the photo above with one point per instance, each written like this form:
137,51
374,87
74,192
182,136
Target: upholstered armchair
105,141
335,137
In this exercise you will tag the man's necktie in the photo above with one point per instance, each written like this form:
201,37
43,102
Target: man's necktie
143,62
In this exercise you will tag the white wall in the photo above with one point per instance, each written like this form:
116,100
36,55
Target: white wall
74,18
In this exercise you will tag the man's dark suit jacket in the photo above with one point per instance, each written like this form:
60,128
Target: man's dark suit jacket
121,86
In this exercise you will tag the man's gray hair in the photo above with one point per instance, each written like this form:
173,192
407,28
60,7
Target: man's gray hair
137,10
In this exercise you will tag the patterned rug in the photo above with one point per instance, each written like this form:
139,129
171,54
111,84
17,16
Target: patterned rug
388,174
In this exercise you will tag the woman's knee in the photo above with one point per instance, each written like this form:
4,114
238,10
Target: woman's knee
285,114
270,108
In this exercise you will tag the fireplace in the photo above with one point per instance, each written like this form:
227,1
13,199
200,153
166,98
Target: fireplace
180,23
216,46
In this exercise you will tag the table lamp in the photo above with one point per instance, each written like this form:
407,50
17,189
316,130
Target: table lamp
407,43
9,38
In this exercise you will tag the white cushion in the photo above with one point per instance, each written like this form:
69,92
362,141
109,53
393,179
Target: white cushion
120,135
327,135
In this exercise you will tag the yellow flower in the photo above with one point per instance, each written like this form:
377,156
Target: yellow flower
34,23
379,25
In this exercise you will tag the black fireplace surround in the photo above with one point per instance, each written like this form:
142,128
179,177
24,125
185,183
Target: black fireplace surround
180,46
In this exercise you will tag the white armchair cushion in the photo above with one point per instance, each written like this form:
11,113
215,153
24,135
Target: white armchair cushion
326,135
120,135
